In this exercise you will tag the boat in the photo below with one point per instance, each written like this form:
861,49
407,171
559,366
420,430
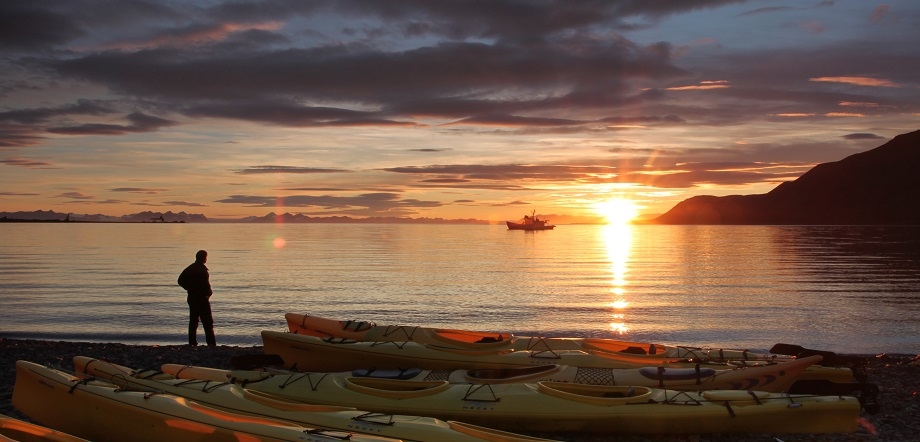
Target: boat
647,353
15,430
312,353
774,378
563,407
633,354
237,399
102,412
530,222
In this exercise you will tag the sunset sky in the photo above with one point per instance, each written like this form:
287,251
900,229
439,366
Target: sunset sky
484,109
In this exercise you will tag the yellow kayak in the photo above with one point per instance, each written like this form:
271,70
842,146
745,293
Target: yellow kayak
236,399
555,406
776,378
15,430
311,353
639,352
101,412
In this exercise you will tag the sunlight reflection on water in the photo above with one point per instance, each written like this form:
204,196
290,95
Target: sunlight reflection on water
850,289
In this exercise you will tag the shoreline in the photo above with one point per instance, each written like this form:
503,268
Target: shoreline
897,376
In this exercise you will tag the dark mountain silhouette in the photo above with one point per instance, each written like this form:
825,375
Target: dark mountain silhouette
876,187
142,217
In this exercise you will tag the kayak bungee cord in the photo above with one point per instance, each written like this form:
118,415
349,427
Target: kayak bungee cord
369,417
391,329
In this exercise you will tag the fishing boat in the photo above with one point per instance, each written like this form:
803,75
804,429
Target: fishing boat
563,407
530,222
238,399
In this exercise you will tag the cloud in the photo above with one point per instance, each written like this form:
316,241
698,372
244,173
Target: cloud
704,85
139,123
28,26
863,136
288,169
879,13
16,135
859,81
22,162
75,196
183,203
368,204
43,114
149,191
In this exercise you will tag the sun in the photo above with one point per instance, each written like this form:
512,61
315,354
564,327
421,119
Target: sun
617,210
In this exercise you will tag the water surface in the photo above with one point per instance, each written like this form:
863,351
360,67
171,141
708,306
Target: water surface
846,289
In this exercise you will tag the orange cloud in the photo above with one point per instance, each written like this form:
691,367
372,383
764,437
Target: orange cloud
704,85
843,114
195,36
859,81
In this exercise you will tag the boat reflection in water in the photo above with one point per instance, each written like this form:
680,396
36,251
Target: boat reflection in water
617,239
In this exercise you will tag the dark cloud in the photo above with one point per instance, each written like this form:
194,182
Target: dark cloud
28,26
149,191
16,135
368,204
39,115
863,136
288,169
22,162
139,123
75,196
183,203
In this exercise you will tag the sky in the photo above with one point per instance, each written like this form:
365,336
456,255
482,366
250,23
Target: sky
485,109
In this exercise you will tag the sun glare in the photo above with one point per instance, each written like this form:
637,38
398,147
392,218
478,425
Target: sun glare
618,210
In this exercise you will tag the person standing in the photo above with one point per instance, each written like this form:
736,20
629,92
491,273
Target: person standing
197,282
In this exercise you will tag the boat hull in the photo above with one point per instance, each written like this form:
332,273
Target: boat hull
15,430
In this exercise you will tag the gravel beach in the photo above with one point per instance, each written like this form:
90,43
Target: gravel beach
897,376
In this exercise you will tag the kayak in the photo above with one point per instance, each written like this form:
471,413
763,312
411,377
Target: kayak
556,406
776,378
311,353
237,399
15,430
646,353
101,412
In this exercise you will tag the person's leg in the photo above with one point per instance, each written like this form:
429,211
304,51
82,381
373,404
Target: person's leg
192,323
207,321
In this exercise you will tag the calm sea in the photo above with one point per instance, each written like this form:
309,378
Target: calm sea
845,289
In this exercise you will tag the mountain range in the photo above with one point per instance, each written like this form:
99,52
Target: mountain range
876,187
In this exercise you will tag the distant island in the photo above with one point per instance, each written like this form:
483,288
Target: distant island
876,187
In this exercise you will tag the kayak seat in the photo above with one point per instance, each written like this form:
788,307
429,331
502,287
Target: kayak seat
634,351
676,374
488,339
393,373
506,373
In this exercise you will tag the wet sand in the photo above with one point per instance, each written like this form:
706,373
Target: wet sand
897,376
